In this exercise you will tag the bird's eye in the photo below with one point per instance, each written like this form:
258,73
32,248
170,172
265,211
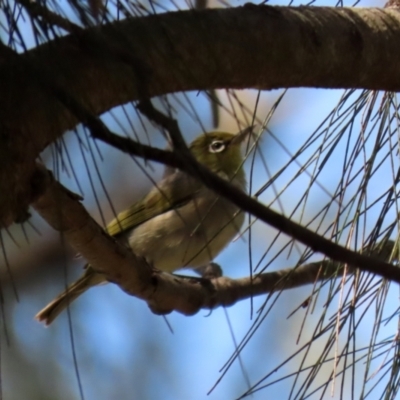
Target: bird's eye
217,146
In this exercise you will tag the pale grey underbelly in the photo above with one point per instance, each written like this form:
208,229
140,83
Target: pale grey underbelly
188,238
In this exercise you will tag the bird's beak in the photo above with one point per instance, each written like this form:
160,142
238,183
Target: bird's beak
242,135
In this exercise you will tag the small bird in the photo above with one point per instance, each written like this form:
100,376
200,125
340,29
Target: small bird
180,223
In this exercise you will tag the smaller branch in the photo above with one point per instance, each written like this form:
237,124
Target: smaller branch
133,148
168,123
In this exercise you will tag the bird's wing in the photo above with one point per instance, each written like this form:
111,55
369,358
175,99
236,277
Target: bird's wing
173,191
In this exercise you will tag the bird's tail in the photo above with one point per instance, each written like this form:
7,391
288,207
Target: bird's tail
61,302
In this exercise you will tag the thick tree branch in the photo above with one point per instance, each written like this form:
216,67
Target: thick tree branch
163,292
258,47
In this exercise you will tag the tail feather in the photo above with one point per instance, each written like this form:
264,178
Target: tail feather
49,313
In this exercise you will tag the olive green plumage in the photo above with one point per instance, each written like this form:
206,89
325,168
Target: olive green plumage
180,223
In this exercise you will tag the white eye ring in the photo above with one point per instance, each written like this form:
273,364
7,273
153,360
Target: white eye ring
217,146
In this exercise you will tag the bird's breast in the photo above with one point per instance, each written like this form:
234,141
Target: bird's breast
190,236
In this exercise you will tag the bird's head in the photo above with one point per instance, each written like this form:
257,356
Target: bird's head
221,152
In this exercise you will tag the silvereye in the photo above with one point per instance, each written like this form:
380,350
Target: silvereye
180,223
